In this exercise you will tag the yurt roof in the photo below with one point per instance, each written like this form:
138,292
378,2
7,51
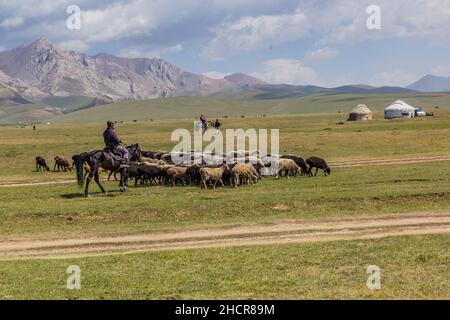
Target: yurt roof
361,109
400,105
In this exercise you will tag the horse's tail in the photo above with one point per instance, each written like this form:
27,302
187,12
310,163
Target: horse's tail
79,161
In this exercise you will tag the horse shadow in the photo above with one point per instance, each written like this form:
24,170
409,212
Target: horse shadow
99,194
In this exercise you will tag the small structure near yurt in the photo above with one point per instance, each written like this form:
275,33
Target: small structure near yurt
399,109
360,113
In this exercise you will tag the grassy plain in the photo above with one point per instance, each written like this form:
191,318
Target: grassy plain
412,268
415,267
218,106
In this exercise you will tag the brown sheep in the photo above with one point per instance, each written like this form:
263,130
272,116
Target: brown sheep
177,173
87,170
244,172
148,160
62,164
163,174
287,166
213,175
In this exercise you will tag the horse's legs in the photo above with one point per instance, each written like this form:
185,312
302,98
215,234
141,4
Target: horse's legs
109,176
97,180
88,180
123,180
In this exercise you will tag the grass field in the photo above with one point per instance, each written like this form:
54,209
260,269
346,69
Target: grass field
412,266
192,107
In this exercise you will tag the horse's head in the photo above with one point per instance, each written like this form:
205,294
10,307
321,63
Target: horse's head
135,151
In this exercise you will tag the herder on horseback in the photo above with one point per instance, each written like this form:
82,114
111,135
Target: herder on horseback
113,142
113,158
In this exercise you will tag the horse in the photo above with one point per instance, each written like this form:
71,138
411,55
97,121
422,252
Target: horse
204,126
103,159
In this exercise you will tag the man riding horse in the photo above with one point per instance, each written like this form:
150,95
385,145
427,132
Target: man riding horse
112,142
107,160
204,123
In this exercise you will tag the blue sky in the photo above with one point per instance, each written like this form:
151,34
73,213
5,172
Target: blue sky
298,42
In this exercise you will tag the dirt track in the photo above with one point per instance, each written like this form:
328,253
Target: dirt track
279,233
383,162
343,164
250,235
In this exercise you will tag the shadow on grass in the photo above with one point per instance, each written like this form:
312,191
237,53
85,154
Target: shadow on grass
113,193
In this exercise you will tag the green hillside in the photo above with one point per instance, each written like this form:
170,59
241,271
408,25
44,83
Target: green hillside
191,107
68,104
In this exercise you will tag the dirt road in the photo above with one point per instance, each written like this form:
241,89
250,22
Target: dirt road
384,162
287,232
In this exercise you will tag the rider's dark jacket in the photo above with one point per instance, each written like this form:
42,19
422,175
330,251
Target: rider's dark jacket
111,138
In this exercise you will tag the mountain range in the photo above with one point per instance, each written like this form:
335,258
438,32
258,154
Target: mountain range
431,83
41,80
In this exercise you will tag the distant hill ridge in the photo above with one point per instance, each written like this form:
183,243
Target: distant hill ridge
431,83
58,81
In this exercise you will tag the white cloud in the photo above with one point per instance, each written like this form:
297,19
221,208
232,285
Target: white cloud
168,50
344,21
396,78
140,52
441,70
322,54
251,33
12,22
76,45
215,74
35,8
285,71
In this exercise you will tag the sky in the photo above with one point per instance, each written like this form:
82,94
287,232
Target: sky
305,42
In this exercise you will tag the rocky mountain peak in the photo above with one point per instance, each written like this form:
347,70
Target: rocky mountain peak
56,72
42,44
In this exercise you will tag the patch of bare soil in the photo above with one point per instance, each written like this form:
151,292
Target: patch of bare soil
292,232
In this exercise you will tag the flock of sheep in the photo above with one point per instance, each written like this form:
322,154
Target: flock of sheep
233,169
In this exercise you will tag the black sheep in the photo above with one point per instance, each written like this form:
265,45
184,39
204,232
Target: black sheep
41,164
318,163
151,154
226,177
194,174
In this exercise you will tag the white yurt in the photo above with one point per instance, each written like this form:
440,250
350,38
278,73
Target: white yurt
360,113
399,109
